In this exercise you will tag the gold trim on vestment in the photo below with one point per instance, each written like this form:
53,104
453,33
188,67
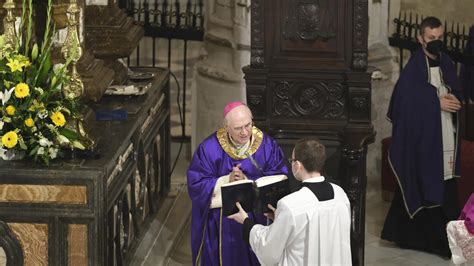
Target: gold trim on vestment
223,139
220,238
198,257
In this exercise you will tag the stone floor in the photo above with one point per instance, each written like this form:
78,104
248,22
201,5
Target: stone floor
168,240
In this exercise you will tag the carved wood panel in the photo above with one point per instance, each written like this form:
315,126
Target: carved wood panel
314,99
307,34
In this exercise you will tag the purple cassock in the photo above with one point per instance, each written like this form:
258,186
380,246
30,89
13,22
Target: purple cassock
217,240
416,151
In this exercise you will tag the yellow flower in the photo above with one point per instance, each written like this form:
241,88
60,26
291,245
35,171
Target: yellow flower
11,110
29,122
15,65
58,119
22,90
10,139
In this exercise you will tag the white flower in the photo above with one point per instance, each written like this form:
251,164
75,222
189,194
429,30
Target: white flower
1,124
53,152
78,145
5,96
45,142
42,114
39,90
3,153
40,151
62,139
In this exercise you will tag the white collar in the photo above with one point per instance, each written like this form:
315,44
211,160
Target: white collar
315,179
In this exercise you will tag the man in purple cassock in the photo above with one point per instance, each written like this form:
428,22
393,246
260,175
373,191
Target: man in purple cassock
425,149
236,151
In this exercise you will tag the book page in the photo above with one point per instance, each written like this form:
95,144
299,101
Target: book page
266,180
237,182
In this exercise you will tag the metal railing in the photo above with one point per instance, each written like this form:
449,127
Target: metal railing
407,30
172,20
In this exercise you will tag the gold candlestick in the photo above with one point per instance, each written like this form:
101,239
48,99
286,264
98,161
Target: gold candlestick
72,51
9,24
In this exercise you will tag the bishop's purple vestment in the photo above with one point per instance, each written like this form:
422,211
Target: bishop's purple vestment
217,240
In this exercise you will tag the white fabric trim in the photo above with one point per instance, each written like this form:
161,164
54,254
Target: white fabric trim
216,201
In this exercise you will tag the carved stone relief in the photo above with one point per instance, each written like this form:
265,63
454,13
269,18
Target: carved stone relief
310,20
315,99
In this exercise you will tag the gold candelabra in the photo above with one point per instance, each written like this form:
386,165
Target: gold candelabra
9,24
72,52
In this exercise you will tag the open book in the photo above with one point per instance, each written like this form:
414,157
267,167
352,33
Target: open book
254,195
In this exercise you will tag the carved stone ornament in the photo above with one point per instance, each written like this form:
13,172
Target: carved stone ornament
359,103
255,99
352,154
316,99
310,20
359,60
257,57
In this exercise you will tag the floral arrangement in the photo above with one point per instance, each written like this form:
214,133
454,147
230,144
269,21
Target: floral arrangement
36,119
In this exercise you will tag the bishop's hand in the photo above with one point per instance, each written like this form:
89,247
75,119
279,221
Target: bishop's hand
236,174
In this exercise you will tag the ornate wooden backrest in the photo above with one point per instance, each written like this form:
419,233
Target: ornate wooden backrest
307,77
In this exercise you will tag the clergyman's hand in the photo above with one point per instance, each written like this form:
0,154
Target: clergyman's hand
239,216
270,215
236,174
449,103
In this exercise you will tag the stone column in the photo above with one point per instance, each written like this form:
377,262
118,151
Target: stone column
218,76
379,21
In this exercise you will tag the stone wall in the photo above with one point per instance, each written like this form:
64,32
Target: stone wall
458,11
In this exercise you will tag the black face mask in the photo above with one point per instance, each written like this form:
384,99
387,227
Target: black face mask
434,47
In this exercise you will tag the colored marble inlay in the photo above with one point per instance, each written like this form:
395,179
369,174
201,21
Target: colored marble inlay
77,244
43,193
34,242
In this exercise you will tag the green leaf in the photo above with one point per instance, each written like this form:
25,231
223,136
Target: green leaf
34,150
72,135
44,70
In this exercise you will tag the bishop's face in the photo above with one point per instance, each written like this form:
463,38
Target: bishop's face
240,129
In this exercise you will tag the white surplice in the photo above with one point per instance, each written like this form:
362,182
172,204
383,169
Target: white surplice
447,126
306,231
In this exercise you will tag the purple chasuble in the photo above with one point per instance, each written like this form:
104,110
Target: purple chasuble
211,243
416,151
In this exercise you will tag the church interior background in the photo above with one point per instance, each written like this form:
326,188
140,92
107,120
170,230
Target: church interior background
215,77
